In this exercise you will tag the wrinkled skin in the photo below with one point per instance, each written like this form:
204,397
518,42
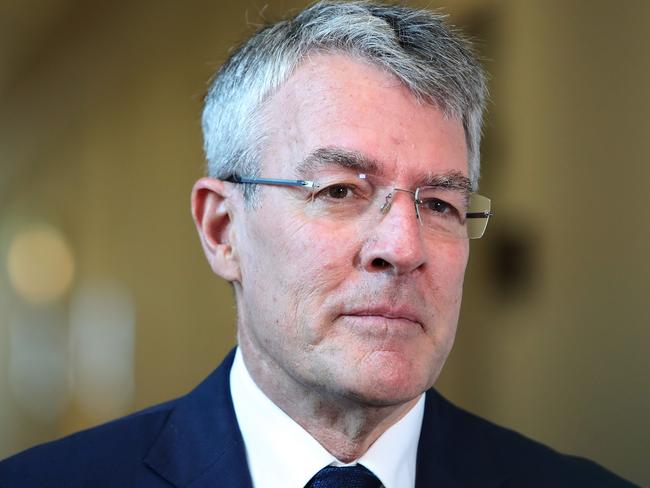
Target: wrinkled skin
340,321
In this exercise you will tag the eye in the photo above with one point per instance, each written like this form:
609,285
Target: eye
337,191
440,207
344,192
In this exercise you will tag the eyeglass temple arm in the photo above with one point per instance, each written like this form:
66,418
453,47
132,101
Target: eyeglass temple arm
478,215
271,181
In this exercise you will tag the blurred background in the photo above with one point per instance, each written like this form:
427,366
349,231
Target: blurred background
107,305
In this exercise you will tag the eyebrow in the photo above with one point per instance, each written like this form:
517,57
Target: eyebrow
450,180
325,156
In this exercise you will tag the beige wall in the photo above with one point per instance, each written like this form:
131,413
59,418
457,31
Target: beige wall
99,137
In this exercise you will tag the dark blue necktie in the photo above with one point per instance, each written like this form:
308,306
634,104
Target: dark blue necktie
344,477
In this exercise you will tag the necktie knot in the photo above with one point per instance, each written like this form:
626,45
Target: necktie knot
356,476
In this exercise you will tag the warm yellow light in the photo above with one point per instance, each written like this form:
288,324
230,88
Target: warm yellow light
40,264
102,340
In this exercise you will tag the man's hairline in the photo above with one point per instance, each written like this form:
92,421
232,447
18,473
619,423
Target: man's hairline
262,116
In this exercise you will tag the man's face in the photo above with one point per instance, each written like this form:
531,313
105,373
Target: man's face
366,313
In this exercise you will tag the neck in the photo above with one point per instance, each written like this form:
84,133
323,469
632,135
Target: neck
345,426
347,432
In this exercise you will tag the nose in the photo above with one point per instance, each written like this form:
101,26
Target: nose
395,243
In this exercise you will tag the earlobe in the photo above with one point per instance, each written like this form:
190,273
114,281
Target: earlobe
212,213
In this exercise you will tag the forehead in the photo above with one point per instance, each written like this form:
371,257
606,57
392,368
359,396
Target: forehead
335,101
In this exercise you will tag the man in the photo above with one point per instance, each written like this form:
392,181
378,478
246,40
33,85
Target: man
343,154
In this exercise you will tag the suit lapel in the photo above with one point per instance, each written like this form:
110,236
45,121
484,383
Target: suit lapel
451,451
200,443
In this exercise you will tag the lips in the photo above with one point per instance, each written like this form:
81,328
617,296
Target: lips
390,313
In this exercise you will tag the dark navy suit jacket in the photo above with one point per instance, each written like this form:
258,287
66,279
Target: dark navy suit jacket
194,441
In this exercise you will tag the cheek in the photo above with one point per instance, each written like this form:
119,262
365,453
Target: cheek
322,255
294,262
449,264
455,260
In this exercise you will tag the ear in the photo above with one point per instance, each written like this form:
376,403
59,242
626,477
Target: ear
212,213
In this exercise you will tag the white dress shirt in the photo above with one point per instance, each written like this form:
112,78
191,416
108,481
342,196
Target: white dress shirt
281,453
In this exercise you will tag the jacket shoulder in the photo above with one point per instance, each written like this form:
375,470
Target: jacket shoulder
476,444
92,457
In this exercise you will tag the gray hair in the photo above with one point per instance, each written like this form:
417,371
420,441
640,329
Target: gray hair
433,60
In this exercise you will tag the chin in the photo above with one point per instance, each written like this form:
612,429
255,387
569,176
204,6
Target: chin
384,397
390,381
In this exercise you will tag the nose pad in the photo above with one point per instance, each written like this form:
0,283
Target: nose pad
387,203
396,244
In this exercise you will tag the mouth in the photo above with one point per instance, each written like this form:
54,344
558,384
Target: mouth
385,316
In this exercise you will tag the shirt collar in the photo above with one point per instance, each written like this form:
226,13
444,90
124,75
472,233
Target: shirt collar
281,453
